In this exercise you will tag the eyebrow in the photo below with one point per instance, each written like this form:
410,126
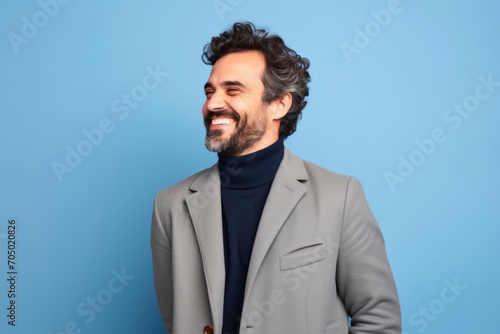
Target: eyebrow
225,84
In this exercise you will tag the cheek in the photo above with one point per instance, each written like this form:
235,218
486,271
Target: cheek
242,108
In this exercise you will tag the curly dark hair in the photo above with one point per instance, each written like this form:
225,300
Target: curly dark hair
286,71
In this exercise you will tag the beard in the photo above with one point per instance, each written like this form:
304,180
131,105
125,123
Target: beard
245,134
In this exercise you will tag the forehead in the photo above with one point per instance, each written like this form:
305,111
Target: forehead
244,66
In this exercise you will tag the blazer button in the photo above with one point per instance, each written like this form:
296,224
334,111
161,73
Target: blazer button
209,329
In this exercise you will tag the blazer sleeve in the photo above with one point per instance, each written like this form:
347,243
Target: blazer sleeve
364,278
161,248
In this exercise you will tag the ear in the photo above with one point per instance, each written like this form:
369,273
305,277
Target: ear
281,105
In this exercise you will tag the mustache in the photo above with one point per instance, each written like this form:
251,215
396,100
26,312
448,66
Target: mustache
222,113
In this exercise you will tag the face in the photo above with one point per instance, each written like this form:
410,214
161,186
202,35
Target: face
236,119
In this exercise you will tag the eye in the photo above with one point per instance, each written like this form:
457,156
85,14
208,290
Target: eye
233,91
208,93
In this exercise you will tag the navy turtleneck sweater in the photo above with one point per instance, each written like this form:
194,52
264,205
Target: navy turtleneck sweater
245,184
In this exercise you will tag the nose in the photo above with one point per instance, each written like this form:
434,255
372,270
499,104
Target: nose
215,102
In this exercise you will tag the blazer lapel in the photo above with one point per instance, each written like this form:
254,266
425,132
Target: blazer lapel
204,206
285,193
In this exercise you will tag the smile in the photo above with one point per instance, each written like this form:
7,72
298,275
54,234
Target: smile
222,121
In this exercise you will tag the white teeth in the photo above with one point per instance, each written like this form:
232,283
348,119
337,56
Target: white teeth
217,121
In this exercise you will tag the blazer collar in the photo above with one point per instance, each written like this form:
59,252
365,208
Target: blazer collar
291,163
285,193
204,206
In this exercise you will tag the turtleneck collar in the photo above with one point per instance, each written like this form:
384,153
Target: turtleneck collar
251,170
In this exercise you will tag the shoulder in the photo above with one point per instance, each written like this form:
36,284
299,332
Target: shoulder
183,188
317,171
314,173
322,180
330,181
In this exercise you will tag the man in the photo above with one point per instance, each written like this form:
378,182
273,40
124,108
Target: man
264,242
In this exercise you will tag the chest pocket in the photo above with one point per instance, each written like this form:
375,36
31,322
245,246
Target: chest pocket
303,256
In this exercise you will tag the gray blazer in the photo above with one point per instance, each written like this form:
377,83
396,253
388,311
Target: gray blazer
318,257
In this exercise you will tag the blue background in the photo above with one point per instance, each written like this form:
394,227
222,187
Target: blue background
366,110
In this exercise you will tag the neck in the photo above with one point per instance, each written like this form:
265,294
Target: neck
252,169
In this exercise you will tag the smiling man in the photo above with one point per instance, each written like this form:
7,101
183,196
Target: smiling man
237,119
263,241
